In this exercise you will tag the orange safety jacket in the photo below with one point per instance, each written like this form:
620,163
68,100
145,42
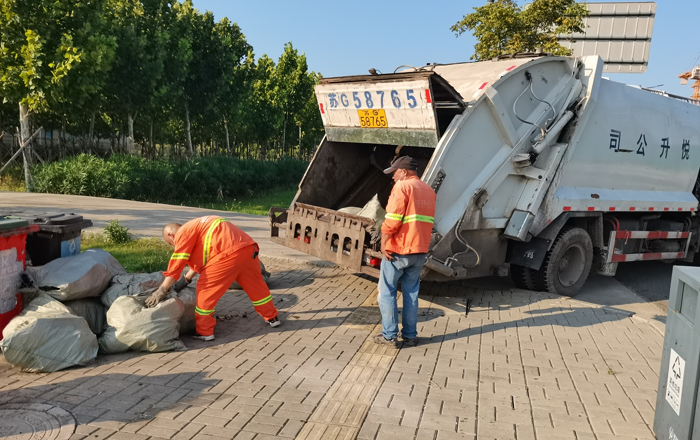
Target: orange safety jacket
409,217
200,240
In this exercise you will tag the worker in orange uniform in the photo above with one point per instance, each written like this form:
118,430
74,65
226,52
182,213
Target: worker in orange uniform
221,253
406,235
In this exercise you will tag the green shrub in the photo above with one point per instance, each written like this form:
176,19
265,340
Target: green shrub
205,179
116,233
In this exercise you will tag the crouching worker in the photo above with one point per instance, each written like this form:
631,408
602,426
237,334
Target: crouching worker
221,253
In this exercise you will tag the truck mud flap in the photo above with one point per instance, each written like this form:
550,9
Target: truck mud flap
323,233
529,254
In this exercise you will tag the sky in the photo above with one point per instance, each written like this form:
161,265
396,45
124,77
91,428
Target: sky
342,38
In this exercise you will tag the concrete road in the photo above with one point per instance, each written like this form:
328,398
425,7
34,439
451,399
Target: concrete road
142,219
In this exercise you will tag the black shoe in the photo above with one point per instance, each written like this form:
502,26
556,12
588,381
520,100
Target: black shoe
410,342
381,340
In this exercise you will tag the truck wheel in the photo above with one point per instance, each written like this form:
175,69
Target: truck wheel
567,264
523,277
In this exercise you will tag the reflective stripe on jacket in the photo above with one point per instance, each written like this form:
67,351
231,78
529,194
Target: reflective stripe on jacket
409,217
200,240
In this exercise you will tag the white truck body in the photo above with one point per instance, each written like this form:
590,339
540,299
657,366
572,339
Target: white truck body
539,163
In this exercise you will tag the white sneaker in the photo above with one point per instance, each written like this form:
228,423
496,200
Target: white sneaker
274,322
203,338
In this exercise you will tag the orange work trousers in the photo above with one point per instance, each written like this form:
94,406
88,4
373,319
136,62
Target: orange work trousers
216,278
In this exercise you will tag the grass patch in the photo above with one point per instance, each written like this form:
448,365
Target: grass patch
12,179
144,255
11,184
257,204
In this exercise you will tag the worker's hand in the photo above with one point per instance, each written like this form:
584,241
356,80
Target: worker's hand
157,297
181,284
389,255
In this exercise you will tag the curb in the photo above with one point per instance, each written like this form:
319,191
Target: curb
291,260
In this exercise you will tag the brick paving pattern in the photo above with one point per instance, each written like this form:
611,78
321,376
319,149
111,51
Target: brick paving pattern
500,365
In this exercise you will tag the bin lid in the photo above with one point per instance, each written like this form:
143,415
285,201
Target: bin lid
11,223
57,219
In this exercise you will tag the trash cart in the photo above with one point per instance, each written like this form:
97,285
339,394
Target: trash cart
58,237
676,415
13,240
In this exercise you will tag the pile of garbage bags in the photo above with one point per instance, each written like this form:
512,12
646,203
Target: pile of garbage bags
77,306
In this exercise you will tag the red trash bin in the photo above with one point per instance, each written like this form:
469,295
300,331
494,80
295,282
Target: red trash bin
13,244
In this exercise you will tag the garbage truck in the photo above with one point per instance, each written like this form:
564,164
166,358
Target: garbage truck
543,168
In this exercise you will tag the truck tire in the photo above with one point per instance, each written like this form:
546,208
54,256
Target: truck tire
567,264
523,277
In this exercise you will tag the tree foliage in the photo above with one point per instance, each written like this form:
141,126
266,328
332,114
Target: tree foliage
503,27
155,77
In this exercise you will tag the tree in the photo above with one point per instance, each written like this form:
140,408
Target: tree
42,42
236,58
141,29
293,85
503,27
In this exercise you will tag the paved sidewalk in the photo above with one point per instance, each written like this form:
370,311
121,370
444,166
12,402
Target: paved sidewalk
491,364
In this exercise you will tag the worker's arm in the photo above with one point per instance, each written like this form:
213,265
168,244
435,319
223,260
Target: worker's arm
184,281
190,274
387,254
395,211
184,245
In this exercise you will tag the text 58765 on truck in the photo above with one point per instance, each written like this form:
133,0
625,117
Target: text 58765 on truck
540,164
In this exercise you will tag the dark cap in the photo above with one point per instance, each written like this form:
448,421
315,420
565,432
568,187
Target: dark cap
402,163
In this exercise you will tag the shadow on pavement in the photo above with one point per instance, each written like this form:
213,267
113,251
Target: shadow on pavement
113,400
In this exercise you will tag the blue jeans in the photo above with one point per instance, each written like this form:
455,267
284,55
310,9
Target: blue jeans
404,268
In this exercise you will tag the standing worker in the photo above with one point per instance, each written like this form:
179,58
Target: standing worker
221,253
405,242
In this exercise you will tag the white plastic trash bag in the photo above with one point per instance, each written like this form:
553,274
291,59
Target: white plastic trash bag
132,284
81,276
46,337
133,326
373,209
92,310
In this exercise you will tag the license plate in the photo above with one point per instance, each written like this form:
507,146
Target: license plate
372,118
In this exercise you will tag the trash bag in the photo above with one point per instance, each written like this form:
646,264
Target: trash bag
352,210
188,295
46,337
81,276
92,310
132,284
373,209
132,325
263,271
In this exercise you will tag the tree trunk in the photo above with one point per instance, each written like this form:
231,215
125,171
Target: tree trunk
62,138
27,152
130,141
187,127
151,147
228,144
299,152
91,131
284,133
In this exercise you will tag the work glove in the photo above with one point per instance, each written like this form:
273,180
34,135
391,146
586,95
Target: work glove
181,284
376,236
157,297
